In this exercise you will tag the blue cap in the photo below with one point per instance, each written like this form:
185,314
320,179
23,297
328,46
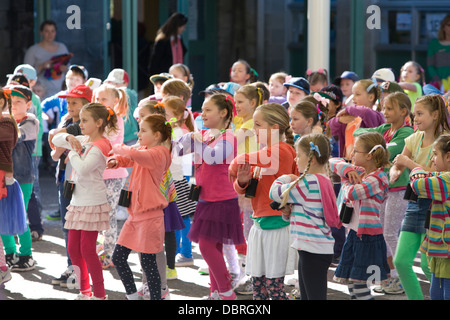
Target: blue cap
346,75
299,83
430,89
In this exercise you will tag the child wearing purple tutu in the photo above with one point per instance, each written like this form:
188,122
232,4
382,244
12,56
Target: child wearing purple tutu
217,216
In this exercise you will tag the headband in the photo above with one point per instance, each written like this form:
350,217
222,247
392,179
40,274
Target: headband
315,148
321,99
111,113
376,148
232,101
371,87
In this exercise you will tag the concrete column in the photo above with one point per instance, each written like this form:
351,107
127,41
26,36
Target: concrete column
129,39
318,34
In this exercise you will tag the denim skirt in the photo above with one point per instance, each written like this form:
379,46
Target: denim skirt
415,216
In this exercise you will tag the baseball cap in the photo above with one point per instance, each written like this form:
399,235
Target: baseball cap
391,87
81,91
228,88
93,83
19,91
19,79
118,76
27,70
160,77
384,74
80,69
299,83
346,75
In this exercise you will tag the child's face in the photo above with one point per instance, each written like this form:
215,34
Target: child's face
106,98
147,137
157,87
295,95
359,155
19,106
317,86
89,126
264,132
423,118
143,112
73,80
347,86
361,97
332,108
409,73
441,160
277,89
239,73
178,74
392,112
302,160
212,117
299,124
74,106
244,107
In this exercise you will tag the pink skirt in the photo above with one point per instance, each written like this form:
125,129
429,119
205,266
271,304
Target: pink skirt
88,218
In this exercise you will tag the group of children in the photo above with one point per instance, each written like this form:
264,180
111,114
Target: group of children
296,173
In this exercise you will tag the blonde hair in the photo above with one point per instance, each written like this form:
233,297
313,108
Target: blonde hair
370,140
121,108
371,88
401,100
178,107
186,72
274,113
252,92
308,144
279,76
177,88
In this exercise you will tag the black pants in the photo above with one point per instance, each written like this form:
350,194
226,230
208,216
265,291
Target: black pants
148,264
312,275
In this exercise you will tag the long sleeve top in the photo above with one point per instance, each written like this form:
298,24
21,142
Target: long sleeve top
435,186
366,197
211,160
8,140
310,228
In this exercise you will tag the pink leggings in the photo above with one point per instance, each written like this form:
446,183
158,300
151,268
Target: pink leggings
3,266
82,252
212,252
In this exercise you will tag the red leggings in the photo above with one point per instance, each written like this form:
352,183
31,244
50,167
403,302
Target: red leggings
218,272
82,252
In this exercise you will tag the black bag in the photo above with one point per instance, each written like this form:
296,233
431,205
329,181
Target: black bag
410,195
125,198
346,214
250,192
194,193
69,187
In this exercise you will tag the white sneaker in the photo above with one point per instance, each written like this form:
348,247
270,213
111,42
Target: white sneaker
5,276
82,296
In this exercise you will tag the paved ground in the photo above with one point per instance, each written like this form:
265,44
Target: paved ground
190,285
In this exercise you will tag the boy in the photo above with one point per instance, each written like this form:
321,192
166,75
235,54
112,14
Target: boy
120,79
298,88
23,172
346,82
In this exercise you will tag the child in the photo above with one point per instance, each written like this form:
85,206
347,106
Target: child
120,79
412,78
12,209
217,216
115,99
157,80
304,117
361,115
23,172
346,82
181,168
364,186
317,79
395,131
76,99
144,229
435,244
312,212
386,89
88,211
298,88
268,241
277,90
182,72
242,73
431,119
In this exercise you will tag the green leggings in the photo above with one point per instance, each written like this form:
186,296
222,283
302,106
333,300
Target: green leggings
407,248
9,242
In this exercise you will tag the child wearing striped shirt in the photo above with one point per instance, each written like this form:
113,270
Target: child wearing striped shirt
312,211
436,186
364,186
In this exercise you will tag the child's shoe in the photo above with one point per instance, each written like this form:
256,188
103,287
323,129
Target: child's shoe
5,276
171,274
182,261
232,296
25,263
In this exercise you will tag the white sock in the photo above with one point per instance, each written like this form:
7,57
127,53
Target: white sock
394,273
133,296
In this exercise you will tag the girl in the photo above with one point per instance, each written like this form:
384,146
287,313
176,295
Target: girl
431,119
88,212
144,229
217,219
115,99
361,115
313,211
304,118
242,73
12,210
268,241
412,78
182,72
364,186
435,244
180,168
317,79
395,131
277,90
